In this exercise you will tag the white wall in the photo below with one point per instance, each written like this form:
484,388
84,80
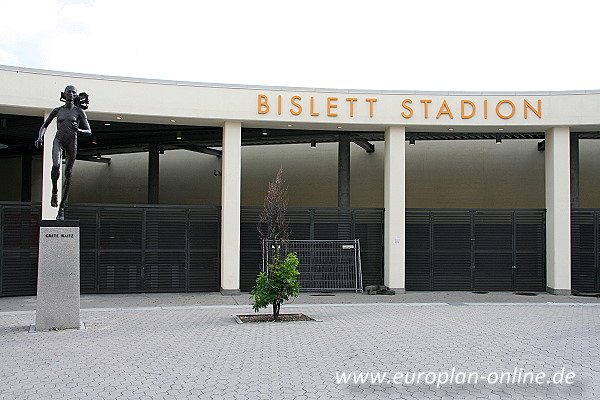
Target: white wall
311,174
185,178
589,173
471,174
474,174
477,174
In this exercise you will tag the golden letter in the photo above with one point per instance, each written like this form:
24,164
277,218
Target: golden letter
408,108
312,107
462,109
279,104
330,105
351,100
537,112
485,109
296,112
263,104
447,112
507,102
426,103
371,101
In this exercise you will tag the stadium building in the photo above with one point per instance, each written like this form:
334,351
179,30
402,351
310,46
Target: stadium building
444,190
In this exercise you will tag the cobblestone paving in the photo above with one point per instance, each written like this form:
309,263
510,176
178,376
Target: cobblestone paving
201,353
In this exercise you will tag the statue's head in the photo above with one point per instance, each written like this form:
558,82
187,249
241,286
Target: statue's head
70,94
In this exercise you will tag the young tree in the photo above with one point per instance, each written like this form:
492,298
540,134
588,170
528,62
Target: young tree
272,225
277,284
279,280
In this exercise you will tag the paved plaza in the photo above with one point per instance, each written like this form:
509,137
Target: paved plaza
189,347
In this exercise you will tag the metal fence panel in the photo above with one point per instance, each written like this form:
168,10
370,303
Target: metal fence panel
323,264
317,223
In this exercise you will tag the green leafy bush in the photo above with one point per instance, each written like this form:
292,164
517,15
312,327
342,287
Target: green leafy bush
277,285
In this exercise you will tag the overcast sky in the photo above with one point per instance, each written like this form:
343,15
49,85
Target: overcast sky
403,45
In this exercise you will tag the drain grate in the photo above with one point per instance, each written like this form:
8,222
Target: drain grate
480,292
525,294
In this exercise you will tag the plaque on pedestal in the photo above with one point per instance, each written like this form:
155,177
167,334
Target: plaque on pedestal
58,276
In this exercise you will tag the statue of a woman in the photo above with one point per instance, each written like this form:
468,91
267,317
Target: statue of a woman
71,120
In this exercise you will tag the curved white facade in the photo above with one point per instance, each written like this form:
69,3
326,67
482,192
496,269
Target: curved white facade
144,100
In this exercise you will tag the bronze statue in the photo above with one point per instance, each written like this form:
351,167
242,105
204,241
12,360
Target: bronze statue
71,120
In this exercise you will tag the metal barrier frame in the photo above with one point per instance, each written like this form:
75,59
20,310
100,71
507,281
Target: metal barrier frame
337,279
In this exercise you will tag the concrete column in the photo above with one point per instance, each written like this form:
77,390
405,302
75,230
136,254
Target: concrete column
153,173
558,218
231,182
49,212
344,171
575,170
394,203
26,168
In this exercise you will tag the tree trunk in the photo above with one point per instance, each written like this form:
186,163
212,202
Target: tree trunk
276,311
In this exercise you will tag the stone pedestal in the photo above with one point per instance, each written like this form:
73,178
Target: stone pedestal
58,276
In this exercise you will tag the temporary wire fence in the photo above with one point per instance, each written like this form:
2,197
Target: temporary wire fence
324,265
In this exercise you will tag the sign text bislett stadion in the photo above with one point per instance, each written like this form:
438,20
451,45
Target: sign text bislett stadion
427,108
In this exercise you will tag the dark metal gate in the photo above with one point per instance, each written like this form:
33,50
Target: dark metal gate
365,224
585,250
475,250
145,248
124,248
19,239
142,248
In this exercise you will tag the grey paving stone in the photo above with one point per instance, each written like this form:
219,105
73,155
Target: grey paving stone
202,353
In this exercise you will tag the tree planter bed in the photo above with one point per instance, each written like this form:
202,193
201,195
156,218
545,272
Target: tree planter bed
242,319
